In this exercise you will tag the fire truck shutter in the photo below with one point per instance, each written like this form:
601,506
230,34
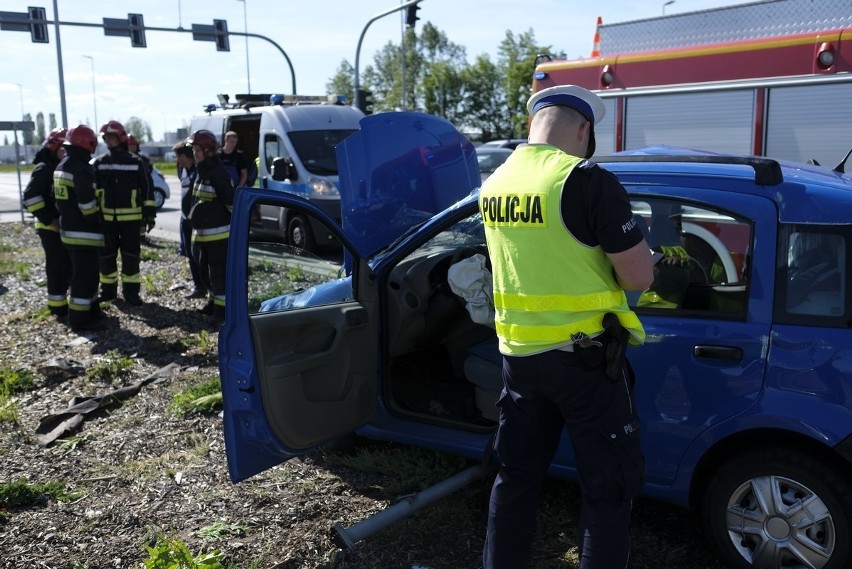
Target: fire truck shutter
719,120
605,131
810,122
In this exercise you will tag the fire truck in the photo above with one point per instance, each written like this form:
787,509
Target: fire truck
770,78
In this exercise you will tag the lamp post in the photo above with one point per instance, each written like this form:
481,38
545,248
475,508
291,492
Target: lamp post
245,29
669,3
94,95
21,93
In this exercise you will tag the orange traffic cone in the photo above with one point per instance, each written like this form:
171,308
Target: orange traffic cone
596,46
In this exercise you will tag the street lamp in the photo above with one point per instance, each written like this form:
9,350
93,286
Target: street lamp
669,3
94,95
21,93
245,30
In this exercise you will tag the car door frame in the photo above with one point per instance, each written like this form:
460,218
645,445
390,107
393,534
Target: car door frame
283,390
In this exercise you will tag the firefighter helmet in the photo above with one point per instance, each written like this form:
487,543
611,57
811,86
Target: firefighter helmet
54,139
115,127
82,137
205,139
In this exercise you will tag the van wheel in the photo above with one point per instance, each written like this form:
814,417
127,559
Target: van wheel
775,508
299,233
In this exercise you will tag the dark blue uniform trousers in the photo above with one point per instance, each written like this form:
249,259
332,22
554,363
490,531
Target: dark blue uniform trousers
542,393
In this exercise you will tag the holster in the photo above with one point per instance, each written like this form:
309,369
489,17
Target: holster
615,345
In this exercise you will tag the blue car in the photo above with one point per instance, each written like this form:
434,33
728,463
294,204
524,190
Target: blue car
744,383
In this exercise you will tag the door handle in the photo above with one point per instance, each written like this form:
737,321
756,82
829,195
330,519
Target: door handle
727,353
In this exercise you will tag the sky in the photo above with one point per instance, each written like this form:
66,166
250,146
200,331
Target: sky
174,77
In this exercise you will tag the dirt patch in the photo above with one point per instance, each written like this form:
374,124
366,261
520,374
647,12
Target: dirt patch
136,469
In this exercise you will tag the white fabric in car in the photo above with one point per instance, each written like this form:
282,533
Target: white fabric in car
471,280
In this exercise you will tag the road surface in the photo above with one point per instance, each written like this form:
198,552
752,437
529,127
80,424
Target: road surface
168,217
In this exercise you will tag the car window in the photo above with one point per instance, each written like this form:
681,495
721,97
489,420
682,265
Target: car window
283,277
813,275
702,256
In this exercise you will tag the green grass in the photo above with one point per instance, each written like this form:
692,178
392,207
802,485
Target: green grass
172,553
15,381
203,397
20,494
111,368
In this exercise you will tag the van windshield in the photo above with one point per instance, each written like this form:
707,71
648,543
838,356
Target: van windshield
315,148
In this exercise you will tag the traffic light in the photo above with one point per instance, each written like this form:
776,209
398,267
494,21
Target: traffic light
411,15
222,41
38,25
137,30
364,101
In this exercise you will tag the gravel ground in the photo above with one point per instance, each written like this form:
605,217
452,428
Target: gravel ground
136,470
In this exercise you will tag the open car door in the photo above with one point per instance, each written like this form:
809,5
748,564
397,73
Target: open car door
298,354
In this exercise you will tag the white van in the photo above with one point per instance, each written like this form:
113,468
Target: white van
294,137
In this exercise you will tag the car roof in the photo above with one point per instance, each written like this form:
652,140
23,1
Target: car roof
802,193
494,150
504,143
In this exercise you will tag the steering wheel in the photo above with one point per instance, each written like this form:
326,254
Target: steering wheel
718,247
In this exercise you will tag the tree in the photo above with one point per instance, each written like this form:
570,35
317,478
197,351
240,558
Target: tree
139,129
27,135
51,120
484,96
41,134
343,82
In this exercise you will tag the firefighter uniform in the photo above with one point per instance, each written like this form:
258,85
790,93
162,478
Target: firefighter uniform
126,202
210,216
39,201
550,218
80,224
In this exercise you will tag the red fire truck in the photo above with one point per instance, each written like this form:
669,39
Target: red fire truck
770,78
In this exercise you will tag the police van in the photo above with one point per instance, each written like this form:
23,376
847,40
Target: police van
291,139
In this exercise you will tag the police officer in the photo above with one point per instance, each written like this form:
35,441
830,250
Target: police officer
564,246
127,203
39,201
210,216
80,225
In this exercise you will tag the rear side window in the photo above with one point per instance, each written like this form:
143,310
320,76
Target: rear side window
702,264
813,269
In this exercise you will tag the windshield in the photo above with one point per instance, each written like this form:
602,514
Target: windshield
316,149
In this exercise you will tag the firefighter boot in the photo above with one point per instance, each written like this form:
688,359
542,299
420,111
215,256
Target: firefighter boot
131,294
108,292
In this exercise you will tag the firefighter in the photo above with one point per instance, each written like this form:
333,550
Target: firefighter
210,216
127,204
80,225
564,246
39,201
187,173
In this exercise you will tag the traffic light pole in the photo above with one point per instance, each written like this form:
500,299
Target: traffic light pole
358,102
57,23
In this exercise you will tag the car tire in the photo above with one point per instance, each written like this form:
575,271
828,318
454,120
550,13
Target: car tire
299,233
789,504
159,198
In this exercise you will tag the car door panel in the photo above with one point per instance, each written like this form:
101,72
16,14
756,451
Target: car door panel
310,381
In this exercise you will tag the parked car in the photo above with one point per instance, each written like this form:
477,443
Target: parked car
161,188
510,143
744,382
489,158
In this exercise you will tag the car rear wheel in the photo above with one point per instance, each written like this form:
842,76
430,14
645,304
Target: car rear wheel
776,509
159,198
299,233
